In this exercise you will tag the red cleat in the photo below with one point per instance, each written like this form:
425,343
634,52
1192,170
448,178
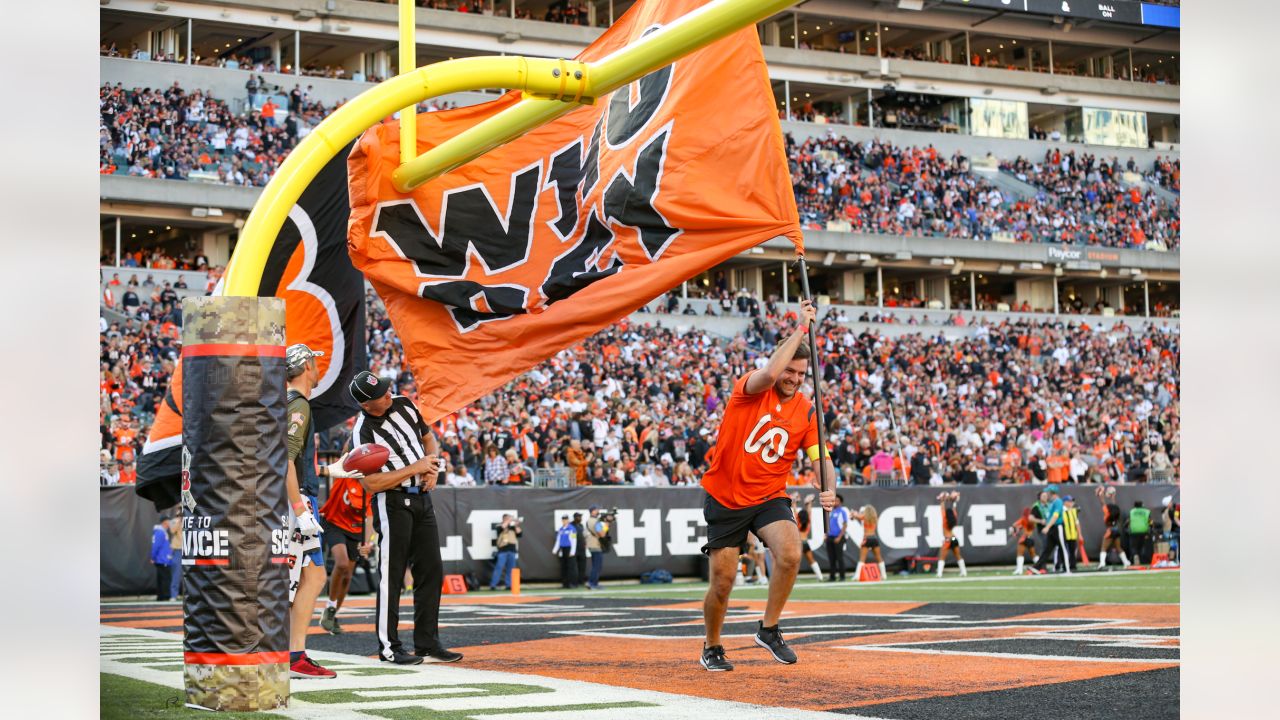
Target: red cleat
306,668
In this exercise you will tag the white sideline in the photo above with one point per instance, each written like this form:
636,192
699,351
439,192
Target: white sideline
559,703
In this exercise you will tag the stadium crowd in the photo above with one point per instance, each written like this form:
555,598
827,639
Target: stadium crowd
1082,201
872,186
171,133
1167,173
881,188
137,360
636,404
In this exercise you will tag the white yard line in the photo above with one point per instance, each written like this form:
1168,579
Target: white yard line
416,689
1016,656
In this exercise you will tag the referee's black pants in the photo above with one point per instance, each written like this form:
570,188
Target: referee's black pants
1054,545
581,576
835,556
164,577
407,537
568,568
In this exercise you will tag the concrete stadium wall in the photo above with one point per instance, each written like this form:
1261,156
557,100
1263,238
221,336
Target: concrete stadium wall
822,241
228,85
929,322
132,190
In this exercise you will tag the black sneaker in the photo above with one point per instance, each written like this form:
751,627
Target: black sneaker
439,655
771,640
329,621
713,659
403,658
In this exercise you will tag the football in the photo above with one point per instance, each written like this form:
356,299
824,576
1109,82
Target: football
367,459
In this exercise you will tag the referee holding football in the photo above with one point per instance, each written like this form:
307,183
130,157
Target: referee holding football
404,519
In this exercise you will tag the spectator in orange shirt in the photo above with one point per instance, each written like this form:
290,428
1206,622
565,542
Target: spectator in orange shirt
1058,466
577,461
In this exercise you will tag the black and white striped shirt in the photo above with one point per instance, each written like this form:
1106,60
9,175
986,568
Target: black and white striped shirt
400,429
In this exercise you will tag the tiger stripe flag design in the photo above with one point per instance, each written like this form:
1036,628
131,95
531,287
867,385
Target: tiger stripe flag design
324,308
494,267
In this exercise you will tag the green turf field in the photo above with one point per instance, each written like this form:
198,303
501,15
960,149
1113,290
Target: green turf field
987,586
124,698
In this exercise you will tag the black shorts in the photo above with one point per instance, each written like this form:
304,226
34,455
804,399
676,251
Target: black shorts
1112,533
871,541
728,528
951,542
334,535
1028,541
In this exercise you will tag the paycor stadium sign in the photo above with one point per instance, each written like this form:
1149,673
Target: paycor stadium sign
1070,254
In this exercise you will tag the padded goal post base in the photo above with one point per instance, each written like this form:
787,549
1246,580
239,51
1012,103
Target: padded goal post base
236,602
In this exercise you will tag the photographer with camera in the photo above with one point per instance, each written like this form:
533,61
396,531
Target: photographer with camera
509,532
598,542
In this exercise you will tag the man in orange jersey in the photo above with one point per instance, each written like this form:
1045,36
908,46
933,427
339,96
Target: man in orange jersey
766,423
348,529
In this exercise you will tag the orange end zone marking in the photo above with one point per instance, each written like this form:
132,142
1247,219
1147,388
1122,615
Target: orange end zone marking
863,678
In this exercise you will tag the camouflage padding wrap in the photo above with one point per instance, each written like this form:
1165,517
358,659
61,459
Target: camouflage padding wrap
238,688
234,547
237,320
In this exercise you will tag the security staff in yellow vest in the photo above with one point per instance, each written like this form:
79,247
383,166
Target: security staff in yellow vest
1070,530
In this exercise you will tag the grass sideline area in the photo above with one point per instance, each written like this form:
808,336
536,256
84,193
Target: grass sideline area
123,698
982,585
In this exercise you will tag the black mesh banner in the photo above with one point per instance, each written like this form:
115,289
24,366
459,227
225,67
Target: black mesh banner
663,527
233,503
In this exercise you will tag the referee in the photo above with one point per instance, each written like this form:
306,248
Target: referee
404,519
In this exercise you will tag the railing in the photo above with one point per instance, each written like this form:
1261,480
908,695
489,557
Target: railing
553,477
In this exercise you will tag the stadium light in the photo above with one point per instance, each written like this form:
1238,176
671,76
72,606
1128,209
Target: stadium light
916,5
161,7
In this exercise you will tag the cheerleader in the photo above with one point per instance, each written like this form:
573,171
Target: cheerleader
950,518
1025,529
870,541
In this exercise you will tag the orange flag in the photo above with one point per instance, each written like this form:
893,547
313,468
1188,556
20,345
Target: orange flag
500,264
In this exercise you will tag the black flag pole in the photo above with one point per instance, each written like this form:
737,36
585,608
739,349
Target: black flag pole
816,367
